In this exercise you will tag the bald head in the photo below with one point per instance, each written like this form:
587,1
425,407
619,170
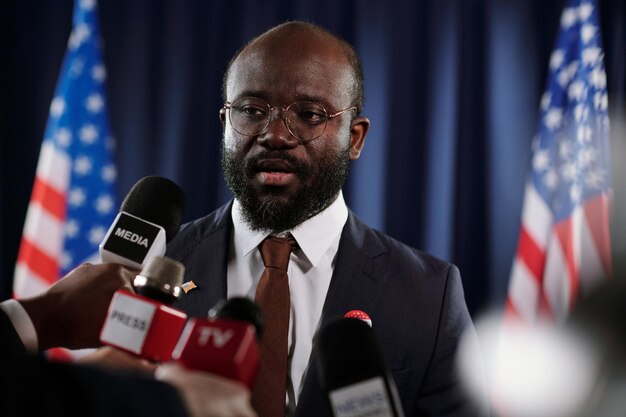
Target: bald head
295,39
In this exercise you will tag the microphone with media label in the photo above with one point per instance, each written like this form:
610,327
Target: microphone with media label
224,344
353,373
143,323
149,216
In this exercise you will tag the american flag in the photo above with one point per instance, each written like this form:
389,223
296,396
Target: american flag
564,241
74,197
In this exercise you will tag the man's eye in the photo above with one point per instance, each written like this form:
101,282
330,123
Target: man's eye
311,115
252,111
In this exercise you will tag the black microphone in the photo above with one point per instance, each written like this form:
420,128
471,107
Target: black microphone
242,309
353,373
224,344
149,217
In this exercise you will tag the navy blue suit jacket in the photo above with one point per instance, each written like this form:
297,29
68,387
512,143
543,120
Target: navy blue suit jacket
415,300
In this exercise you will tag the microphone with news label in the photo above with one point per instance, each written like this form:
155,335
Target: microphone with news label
143,323
149,217
224,344
353,373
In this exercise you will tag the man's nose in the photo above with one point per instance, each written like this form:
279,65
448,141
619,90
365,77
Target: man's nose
277,134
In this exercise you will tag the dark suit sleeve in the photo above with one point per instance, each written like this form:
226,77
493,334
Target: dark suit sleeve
30,385
441,393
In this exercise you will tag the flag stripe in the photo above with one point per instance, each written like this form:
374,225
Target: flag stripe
524,291
38,261
54,166
555,281
566,236
532,255
536,217
38,219
27,283
49,198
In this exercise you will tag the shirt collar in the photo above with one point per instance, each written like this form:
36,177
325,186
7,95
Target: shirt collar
314,236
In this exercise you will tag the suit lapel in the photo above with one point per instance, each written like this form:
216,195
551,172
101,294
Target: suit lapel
206,260
355,285
357,276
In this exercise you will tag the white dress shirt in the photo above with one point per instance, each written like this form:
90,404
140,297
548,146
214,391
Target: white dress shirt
310,270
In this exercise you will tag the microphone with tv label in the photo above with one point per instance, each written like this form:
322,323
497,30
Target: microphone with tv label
224,344
143,323
149,217
353,373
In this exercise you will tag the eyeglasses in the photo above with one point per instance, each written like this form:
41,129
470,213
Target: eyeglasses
305,120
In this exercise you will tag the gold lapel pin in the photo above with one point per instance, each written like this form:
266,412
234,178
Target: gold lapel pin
188,286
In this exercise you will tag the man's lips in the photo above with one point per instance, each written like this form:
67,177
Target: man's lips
275,172
275,178
274,165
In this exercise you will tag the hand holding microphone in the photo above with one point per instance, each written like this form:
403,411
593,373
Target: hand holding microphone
70,312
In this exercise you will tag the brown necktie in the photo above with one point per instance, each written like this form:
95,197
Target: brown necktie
272,296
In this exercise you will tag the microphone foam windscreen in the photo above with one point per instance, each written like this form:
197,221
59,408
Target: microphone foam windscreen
157,200
348,352
164,272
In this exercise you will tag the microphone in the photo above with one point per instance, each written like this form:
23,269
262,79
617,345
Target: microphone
149,216
142,323
353,373
359,314
224,344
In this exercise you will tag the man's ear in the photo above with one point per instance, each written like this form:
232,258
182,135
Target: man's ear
223,116
358,130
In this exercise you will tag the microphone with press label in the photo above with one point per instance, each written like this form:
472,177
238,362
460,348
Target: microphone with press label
224,344
143,323
353,373
149,217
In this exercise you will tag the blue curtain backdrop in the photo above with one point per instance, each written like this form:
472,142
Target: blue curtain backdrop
452,88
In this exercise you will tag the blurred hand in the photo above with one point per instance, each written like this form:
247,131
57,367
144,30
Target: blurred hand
117,360
71,311
207,395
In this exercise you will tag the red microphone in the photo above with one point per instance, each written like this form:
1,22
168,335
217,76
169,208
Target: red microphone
142,323
224,344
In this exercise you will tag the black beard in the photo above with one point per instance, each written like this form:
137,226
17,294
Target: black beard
276,214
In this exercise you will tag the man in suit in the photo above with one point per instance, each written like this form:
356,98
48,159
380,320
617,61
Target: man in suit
292,123
70,314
